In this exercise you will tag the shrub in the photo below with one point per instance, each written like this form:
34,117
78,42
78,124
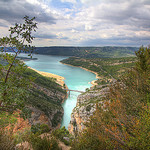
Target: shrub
45,143
7,141
39,129
61,133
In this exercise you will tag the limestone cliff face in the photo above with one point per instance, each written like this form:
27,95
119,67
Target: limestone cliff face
39,117
85,107
45,106
55,95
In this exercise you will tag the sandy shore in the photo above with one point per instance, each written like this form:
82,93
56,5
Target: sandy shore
59,79
92,82
97,77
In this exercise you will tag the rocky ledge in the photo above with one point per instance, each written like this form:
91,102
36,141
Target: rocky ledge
39,117
44,105
85,107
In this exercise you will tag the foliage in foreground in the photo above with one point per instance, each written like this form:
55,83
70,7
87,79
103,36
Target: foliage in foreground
13,85
7,141
45,143
123,120
15,89
40,128
62,134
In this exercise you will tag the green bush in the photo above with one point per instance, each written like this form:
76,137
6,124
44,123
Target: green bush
7,142
25,113
45,143
88,108
61,133
39,129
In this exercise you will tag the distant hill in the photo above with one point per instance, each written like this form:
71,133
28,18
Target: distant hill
88,52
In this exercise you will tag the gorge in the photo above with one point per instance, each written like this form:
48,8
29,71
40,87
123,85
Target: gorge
75,78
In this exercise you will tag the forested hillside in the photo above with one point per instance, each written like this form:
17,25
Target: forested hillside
46,95
43,94
38,100
88,52
116,116
106,68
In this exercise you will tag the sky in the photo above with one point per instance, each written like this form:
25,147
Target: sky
81,22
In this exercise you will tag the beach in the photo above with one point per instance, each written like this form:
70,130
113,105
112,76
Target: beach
59,79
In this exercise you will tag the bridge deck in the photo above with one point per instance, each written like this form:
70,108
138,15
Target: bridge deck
74,90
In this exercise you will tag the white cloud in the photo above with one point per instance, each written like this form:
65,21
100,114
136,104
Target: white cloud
78,24
88,27
70,1
74,31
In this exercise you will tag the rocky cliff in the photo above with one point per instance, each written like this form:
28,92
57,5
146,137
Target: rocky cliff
85,107
39,117
44,100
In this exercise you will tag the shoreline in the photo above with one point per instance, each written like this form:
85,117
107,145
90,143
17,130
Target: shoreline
92,82
59,79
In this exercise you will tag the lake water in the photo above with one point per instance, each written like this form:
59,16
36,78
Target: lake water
75,78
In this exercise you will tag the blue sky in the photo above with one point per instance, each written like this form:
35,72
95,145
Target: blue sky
60,4
81,22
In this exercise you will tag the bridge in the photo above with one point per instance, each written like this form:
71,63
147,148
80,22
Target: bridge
73,91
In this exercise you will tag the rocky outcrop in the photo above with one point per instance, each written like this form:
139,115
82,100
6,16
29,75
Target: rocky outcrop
44,103
85,107
54,94
39,117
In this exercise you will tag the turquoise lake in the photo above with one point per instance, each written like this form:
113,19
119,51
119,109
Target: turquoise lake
75,78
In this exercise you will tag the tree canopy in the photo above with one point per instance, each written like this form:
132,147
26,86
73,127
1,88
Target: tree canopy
12,87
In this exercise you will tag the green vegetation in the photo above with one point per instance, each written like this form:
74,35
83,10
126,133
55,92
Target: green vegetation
40,128
61,134
107,68
22,86
13,85
21,89
6,119
7,141
88,52
46,144
39,98
36,94
25,113
122,121
88,108
45,82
